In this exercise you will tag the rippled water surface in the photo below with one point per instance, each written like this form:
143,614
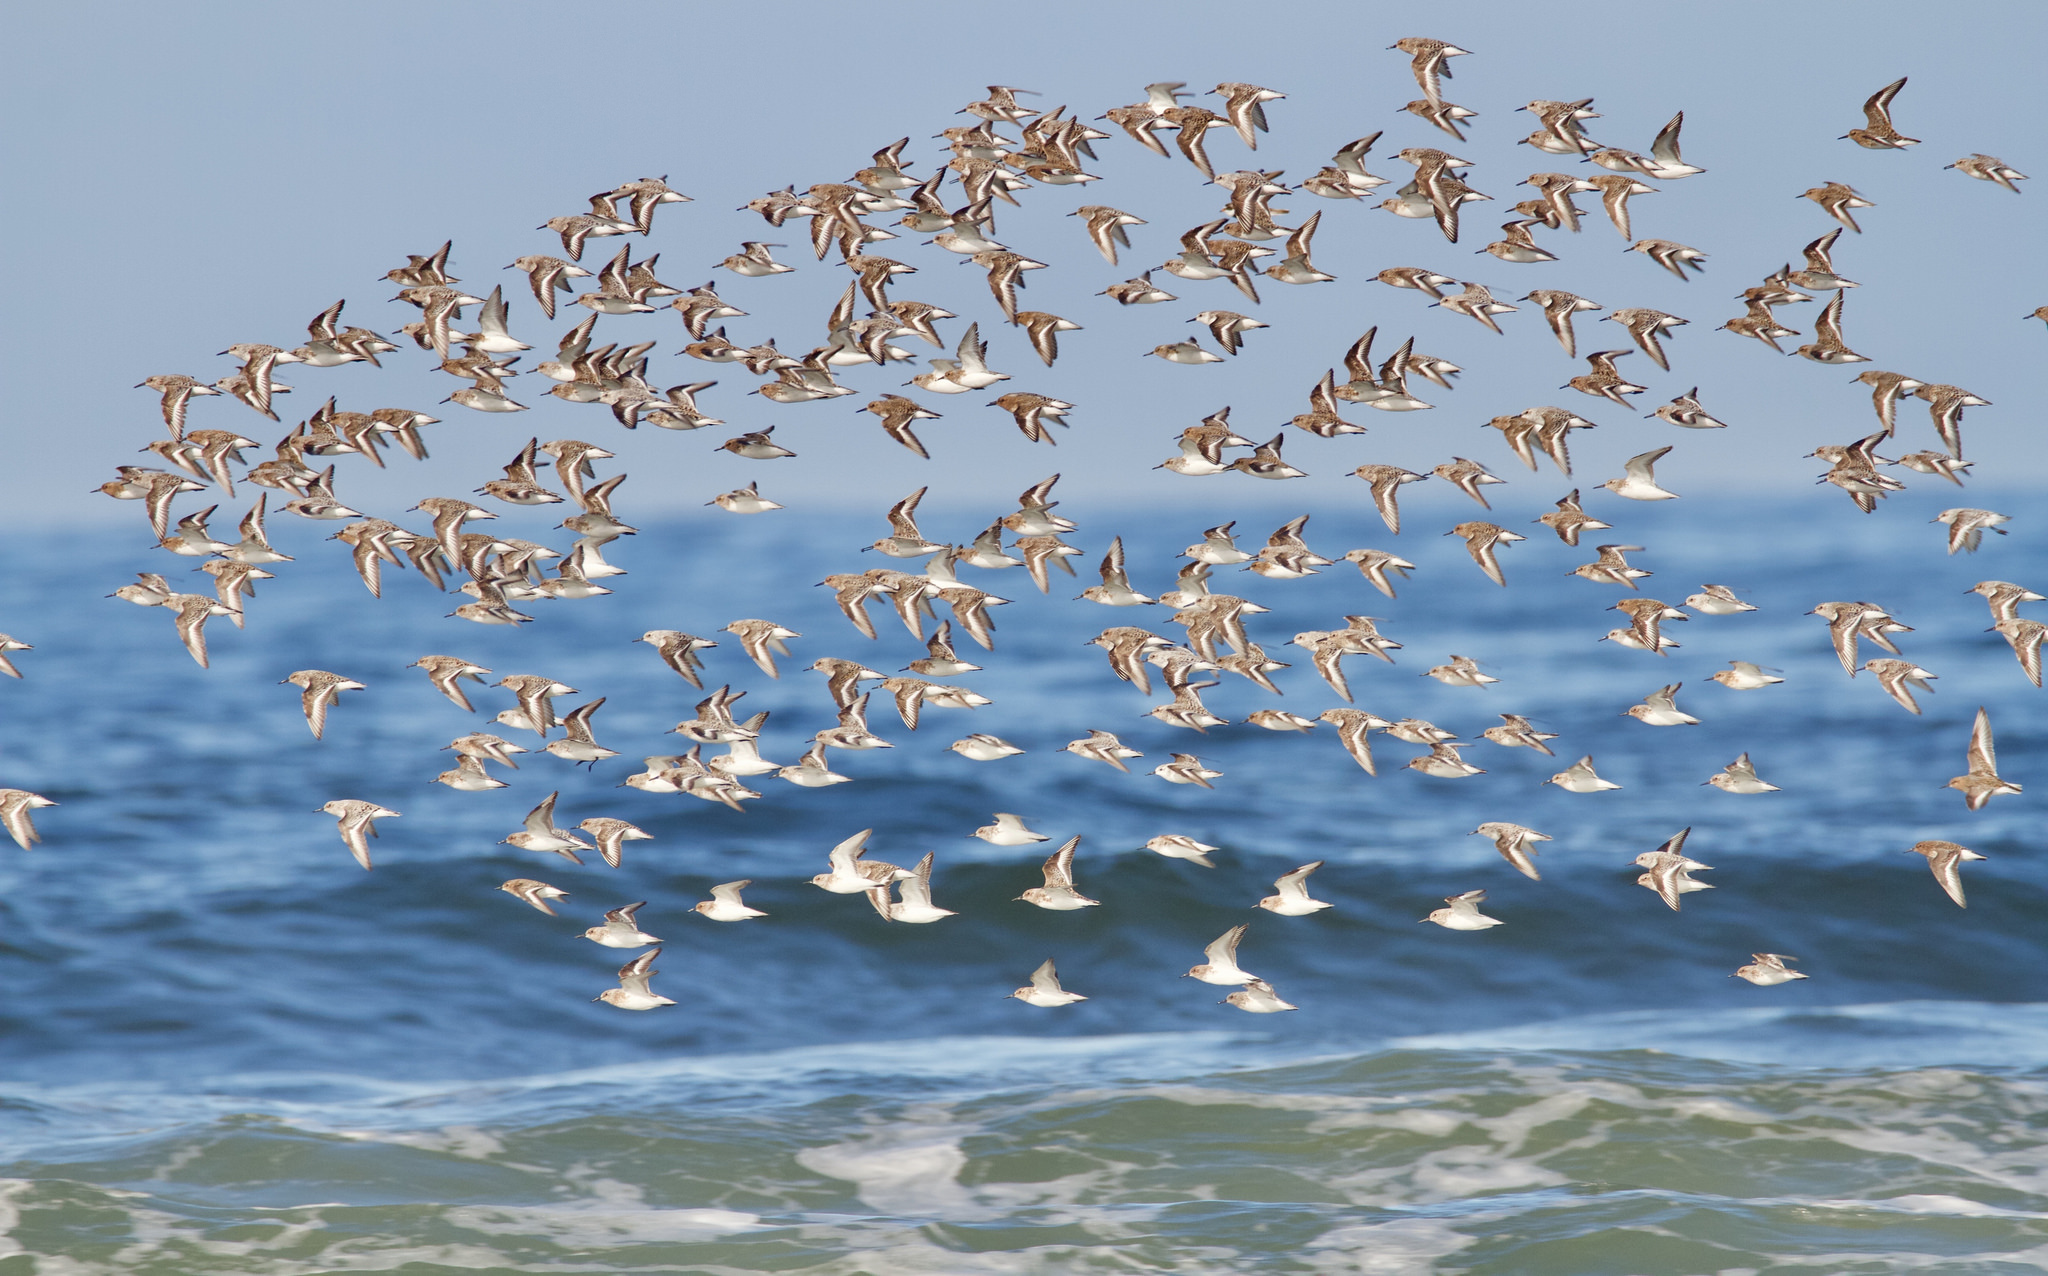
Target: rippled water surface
231,1050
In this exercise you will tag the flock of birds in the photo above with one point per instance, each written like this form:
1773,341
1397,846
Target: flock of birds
502,574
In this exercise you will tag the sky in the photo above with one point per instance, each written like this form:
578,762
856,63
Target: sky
204,175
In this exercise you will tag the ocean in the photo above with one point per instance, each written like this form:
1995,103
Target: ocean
229,1049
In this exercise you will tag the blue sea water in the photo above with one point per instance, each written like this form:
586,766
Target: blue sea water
230,1049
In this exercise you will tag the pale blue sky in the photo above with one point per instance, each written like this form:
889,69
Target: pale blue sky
201,175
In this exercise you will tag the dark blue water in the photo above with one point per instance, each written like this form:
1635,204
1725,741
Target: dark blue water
231,1049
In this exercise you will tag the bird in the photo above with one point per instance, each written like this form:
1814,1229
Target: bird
1742,675
1717,600
611,835
1839,199
16,805
1221,968
1966,527
1186,768
540,833
1258,997
1101,746
535,893
1580,777
1767,970
1989,168
1660,709
763,641
1981,782
1059,894
1877,134
916,907
320,689
1463,913
1946,859
981,747
1512,841
851,874
1898,678
1517,731
1482,541
620,930
1740,776
1008,830
1639,480
1674,257
725,904
1668,868
1044,989
357,822
1177,846
633,992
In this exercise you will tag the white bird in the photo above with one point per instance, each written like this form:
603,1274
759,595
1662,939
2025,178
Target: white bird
725,904
1292,897
1463,913
1059,893
1222,968
1258,998
1740,776
1580,777
980,747
851,875
358,821
1768,970
633,992
916,907
1639,482
1044,989
1660,709
1008,830
1743,676
1175,846
620,930
15,805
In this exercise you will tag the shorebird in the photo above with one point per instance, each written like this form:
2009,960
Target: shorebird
611,835
1221,968
1674,257
1186,768
916,907
1946,859
725,904
535,893
1258,997
620,930
357,822
16,805
1744,676
1044,989
1176,846
1292,898
634,992
1899,678
1639,480
1966,527
1877,134
1580,777
1463,913
1989,168
1059,894
1517,732
1482,541
1569,520
853,875
1981,782
319,690
1660,709
1669,867
1512,841
1838,199
1767,970
540,833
